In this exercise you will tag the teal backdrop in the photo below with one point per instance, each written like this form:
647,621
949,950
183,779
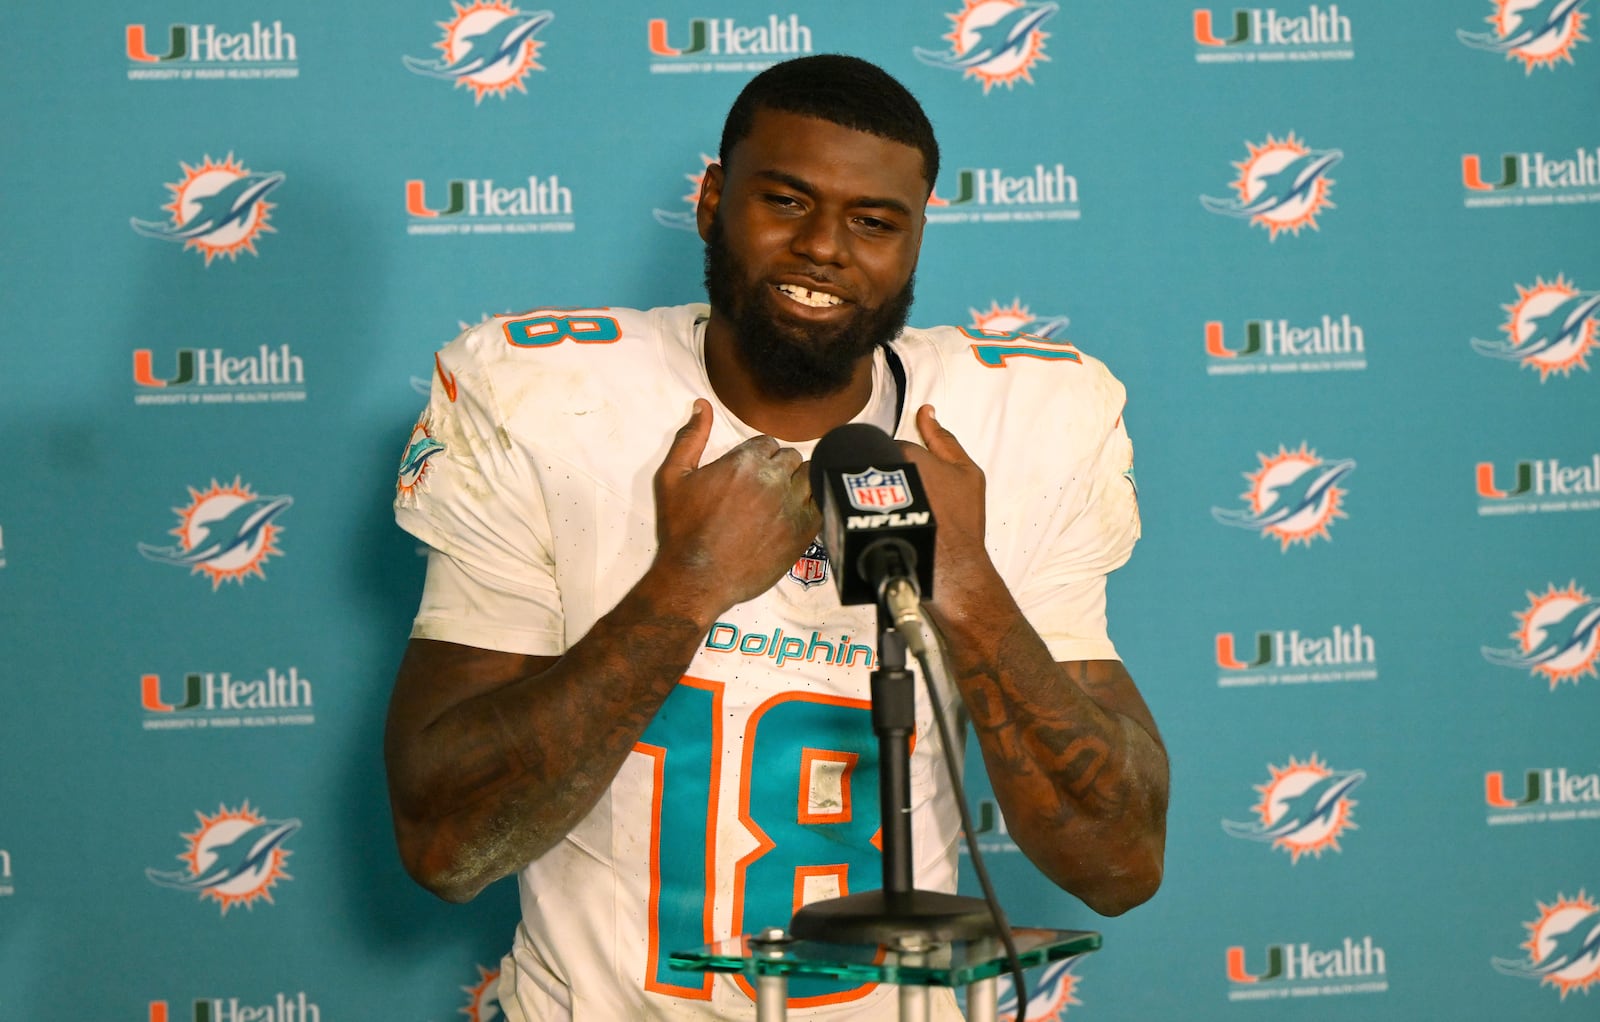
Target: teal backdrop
1344,257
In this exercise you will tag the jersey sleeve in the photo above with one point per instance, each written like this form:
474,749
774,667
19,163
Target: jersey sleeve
1064,596
470,493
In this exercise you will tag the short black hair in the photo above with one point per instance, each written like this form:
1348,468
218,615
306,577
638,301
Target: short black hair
843,90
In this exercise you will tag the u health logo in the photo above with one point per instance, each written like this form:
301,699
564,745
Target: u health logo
1551,327
1539,33
225,533
217,699
997,42
1356,966
1264,35
724,44
1293,497
488,47
1557,636
1531,178
991,832
1282,186
1279,346
234,858
1539,487
1304,808
990,195
211,376
284,1007
1548,795
218,209
1345,653
531,205
206,52
1563,946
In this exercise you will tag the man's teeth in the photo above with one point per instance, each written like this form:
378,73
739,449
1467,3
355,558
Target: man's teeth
805,296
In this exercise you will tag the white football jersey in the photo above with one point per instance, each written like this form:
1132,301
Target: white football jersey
755,788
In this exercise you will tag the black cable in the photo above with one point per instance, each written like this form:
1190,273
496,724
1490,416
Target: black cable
1013,959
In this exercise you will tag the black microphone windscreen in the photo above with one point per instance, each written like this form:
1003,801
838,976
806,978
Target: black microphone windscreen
876,520
853,445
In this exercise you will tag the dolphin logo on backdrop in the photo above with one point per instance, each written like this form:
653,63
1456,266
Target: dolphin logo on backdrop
488,47
994,41
1316,804
226,532
219,209
1558,636
239,527
685,219
1303,808
1540,33
234,858
483,997
1294,497
1552,328
1563,946
1017,318
1052,994
1282,186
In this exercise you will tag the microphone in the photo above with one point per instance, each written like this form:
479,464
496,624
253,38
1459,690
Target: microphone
877,525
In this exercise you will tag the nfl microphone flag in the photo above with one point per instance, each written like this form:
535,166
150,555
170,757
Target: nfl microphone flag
873,508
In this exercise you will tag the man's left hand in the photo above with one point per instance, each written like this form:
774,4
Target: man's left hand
955,488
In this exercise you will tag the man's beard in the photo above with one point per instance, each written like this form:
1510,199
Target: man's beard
788,361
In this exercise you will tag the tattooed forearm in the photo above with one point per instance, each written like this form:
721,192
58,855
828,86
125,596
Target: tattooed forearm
492,781
1043,729
1073,756
1080,765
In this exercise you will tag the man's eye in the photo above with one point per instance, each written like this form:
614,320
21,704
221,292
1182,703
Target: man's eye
872,223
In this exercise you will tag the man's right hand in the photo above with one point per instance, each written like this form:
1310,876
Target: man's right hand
493,757
736,525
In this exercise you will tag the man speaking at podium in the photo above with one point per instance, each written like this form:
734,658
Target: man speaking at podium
625,683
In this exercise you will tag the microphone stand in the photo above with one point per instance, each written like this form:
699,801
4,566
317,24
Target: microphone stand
898,914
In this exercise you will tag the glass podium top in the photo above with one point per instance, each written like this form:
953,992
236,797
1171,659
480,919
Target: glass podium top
946,964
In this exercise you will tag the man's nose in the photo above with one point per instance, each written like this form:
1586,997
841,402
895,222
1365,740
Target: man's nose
821,238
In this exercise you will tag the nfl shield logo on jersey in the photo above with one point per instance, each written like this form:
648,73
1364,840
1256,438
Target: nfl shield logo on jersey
812,567
876,490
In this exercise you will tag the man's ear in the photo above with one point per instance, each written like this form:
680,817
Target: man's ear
710,196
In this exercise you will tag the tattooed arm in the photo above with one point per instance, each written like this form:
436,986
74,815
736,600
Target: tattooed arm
1072,752
1075,761
493,757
